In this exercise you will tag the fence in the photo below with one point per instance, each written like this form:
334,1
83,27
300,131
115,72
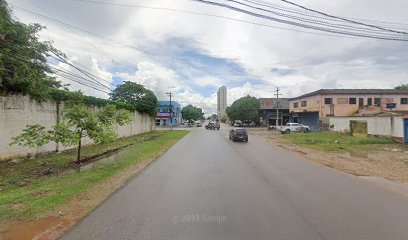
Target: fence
384,126
17,111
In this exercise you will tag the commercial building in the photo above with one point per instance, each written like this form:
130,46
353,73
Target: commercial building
314,108
270,108
221,101
165,117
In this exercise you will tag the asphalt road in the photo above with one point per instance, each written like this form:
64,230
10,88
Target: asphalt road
207,187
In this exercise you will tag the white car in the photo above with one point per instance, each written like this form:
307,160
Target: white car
293,127
237,123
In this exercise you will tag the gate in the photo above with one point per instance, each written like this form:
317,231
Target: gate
358,128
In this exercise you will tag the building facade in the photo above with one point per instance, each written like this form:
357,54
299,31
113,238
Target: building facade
221,101
312,108
270,108
165,117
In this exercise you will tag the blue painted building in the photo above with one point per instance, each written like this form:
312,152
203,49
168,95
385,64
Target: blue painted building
164,117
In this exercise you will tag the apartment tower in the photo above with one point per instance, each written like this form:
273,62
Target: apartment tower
221,101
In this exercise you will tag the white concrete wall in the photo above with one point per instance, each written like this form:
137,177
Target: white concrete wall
398,127
17,111
383,126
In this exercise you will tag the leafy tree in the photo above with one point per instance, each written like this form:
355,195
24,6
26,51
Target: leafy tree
23,58
78,122
224,118
402,86
214,116
191,112
244,109
136,95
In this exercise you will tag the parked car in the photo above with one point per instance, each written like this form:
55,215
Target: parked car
238,134
210,126
198,123
293,127
237,123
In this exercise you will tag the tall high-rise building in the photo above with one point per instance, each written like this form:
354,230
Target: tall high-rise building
221,101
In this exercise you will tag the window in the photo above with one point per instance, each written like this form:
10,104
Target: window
304,104
369,101
352,101
328,101
295,105
404,100
342,100
377,101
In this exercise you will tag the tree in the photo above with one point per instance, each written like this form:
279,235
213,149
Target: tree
224,118
23,58
136,95
78,122
244,109
191,112
214,116
402,86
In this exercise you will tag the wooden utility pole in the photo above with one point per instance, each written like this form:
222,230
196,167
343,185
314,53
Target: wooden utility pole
171,110
277,94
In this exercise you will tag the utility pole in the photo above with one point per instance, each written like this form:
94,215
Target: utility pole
277,94
171,110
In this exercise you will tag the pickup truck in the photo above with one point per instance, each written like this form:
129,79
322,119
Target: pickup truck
293,127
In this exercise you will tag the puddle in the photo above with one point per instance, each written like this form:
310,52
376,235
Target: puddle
111,159
44,228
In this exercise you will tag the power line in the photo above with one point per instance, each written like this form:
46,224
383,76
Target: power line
341,18
70,74
64,61
207,15
319,19
303,25
120,43
195,13
89,75
78,34
395,25
80,80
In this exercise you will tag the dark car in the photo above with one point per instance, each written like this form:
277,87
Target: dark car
238,134
210,125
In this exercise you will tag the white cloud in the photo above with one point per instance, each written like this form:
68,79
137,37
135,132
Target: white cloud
318,61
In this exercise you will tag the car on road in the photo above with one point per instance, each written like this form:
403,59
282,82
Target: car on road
238,134
210,126
293,127
237,123
198,123
217,124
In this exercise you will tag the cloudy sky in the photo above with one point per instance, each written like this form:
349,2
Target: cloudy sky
192,55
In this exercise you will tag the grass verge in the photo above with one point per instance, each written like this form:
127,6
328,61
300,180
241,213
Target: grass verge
41,194
332,141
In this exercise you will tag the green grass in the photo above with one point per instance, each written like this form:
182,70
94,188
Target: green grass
43,193
332,141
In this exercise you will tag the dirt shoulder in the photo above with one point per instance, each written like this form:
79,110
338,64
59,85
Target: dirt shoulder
52,223
388,161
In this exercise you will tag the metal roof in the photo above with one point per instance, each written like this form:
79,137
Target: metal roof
353,92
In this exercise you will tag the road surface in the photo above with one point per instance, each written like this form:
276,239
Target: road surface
207,187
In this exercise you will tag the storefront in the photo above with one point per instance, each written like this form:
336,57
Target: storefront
168,115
